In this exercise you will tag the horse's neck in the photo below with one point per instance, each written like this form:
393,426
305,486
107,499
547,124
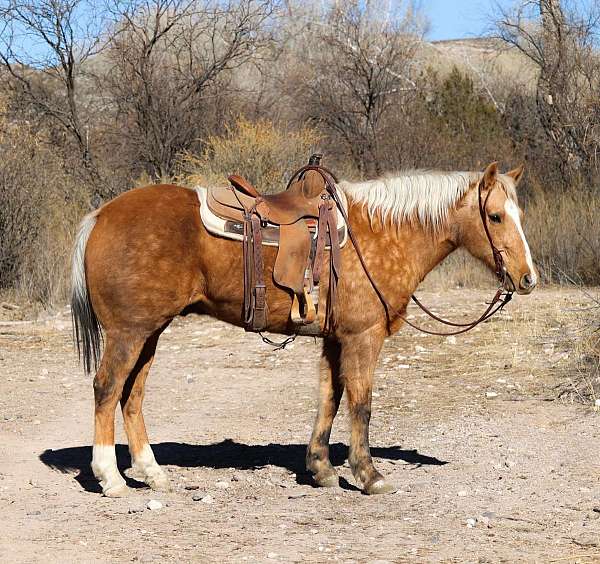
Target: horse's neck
401,256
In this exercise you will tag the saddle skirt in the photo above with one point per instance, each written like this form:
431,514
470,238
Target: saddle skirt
222,216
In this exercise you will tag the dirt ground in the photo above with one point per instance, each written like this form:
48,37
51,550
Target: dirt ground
489,466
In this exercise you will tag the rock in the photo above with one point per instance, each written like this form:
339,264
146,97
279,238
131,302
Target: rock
198,496
491,395
272,555
135,509
451,340
222,484
484,520
31,513
462,493
587,540
191,487
154,504
419,348
471,522
208,499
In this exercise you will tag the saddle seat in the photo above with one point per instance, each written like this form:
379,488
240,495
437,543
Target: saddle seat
300,200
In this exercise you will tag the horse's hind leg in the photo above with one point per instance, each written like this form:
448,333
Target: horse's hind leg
331,389
120,356
143,462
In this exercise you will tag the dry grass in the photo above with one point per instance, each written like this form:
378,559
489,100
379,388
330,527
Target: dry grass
582,382
564,233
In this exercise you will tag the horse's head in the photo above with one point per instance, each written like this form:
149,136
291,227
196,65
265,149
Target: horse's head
503,219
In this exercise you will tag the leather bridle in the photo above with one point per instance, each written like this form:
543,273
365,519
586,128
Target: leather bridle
500,299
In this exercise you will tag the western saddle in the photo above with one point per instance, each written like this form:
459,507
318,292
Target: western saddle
303,222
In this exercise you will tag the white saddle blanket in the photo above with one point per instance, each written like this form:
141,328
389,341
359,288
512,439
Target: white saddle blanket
234,230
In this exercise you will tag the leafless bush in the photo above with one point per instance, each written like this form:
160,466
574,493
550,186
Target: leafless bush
261,152
39,208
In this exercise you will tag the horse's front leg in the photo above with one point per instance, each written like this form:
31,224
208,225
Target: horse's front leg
331,389
358,359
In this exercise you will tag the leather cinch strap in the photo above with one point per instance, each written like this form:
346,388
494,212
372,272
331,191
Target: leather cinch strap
255,304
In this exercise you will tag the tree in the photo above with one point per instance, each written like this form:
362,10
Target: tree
561,39
165,57
359,68
44,45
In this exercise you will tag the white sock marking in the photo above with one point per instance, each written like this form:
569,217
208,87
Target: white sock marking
104,466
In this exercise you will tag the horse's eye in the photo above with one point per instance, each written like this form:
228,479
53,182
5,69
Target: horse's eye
495,218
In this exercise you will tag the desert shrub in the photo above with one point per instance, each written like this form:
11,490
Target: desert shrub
40,205
262,152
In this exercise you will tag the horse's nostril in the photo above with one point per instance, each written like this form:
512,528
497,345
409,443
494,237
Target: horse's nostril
527,281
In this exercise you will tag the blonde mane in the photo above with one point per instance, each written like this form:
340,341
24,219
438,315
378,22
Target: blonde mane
420,195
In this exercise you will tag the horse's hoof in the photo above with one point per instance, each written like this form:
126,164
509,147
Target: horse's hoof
379,487
160,484
327,480
117,491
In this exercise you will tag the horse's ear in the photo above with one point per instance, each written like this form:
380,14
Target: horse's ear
490,174
516,174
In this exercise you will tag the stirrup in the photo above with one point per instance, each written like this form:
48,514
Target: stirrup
309,309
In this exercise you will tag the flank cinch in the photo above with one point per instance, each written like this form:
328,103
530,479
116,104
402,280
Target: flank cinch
304,221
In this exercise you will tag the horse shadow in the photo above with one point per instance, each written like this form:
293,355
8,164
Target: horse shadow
225,454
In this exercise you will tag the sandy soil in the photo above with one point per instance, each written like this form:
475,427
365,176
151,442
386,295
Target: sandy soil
489,467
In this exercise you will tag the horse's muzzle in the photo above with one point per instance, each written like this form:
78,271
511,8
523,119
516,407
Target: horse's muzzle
527,283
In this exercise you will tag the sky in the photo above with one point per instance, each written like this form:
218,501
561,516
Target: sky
457,19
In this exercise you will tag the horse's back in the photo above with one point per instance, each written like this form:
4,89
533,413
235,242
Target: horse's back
142,260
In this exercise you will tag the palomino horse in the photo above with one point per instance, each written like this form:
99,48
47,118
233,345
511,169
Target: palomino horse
145,257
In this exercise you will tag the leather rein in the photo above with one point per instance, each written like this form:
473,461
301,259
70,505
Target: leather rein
500,299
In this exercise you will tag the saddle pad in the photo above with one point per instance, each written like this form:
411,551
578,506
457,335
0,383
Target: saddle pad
230,229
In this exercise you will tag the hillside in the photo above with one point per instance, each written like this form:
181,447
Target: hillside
479,56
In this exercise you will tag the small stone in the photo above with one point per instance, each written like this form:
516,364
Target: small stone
198,497
597,403
154,504
491,395
191,487
419,348
451,340
462,493
272,555
208,499
471,523
484,520
586,540
135,509
36,512
222,484
189,379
